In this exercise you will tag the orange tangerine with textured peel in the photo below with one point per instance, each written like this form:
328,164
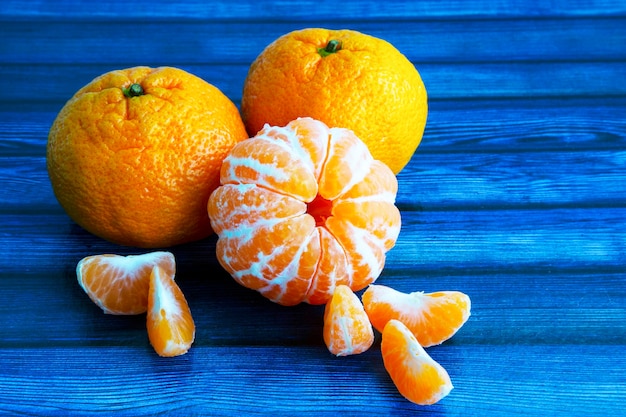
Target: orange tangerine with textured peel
432,317
347,329
171,329
134,155
301,209
119,284
342,78
418,377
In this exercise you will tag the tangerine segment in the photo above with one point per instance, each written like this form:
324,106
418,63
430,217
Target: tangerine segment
380,219
364,252
379,183
370,205
272,249
433,318
249,206
418,377
171,329
119,284
347,330
347,163
271,164
308,140
332,269
289,286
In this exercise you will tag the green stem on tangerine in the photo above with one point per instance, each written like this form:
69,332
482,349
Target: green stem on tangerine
134,90
332,46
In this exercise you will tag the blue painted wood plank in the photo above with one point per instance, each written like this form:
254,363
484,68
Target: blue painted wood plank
425,42
190,10
211,380
516,197
513,180
44,83
444,181
448,240
479,126
544,155
539,154
501,126
512,239
508,307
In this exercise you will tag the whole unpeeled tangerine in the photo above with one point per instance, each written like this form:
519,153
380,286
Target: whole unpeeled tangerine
134,155
343,78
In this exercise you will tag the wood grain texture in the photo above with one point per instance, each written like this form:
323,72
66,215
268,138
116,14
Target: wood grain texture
516,196
223,381
565,238
457,59
190,10
549,154
463,81
440,41
470,181
527,306
454,126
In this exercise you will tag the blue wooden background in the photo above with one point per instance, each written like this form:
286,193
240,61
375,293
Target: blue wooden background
517,196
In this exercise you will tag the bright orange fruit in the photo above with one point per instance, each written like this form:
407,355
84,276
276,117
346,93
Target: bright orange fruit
171,328
302,209
343,78
347,330
119,284
418,377
432,318
134,155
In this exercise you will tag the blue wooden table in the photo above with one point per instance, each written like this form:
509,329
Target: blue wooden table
517,196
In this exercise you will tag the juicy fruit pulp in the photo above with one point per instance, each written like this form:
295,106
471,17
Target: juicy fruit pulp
347,330
432,317
119,284
301,209
171,329
415,374
136,284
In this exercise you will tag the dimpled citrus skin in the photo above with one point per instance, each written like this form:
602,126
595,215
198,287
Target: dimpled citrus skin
301,209
367,86
138,170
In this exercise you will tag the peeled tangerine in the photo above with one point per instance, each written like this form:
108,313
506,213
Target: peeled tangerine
301,209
